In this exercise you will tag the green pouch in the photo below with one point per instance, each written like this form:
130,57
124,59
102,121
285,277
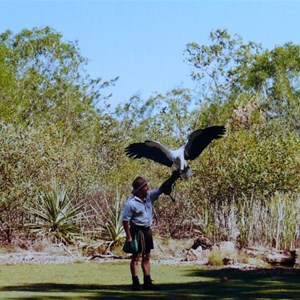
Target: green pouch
131,247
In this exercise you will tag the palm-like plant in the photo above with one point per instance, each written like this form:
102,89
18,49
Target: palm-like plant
57,211
110,218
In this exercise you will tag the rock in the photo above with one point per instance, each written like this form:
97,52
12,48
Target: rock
226,247
28,257
203,242
228,261
191,255
276,257
273,256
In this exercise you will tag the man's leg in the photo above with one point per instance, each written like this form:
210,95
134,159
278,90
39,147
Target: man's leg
134,263
148,282
146,264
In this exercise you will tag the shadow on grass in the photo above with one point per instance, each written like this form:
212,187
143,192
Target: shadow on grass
209,284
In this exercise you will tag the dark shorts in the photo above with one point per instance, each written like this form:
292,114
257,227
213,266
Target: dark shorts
144,235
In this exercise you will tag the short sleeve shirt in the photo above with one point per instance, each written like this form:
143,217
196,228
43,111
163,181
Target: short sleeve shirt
139,211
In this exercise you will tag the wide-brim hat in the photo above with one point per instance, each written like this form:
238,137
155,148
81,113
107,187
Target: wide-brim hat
138,184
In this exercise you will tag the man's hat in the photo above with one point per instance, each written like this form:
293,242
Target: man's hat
138,184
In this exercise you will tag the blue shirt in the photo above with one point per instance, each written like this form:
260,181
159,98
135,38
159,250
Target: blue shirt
139,211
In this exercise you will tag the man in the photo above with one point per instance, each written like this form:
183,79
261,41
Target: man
137,220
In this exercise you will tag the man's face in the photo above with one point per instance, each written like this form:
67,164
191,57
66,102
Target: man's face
142,193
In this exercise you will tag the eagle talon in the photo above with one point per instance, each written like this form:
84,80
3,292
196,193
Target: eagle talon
172,198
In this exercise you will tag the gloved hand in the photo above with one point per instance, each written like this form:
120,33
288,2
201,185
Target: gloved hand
167,185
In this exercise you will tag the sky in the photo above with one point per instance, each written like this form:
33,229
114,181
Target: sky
143,42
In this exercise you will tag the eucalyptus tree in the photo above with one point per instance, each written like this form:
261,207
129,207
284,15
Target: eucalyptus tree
275,74
53,117
231,73
50,83
7,81
256,92
217,69
160,116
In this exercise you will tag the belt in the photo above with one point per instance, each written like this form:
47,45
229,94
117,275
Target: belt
137,227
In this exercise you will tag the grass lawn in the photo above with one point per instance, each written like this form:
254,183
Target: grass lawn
112,281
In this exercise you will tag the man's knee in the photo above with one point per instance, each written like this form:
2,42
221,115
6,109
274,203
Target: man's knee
136,257
146,257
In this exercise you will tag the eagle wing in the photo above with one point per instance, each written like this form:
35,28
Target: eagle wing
200,139
152,150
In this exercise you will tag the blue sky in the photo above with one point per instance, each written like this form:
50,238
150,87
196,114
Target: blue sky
143,42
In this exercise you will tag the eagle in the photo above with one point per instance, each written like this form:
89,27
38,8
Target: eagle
196,142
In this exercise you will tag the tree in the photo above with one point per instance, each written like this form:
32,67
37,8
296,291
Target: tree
231,73
218,68
46,84
276,74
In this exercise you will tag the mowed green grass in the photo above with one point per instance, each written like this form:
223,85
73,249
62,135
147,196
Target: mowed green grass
112,281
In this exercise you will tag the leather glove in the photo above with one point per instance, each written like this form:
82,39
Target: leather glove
167,185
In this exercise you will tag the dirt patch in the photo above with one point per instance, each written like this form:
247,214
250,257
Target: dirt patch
166,251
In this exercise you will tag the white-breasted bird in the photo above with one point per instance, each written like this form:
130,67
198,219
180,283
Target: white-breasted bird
196,142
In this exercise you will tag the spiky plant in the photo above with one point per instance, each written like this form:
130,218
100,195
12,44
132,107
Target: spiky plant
57,212
110,218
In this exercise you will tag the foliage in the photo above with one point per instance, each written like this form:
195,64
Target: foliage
229,196
55,122
165,115
109,217
49,86
228,69
215,258
218,68
30,158
275,74
283,212
58,213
